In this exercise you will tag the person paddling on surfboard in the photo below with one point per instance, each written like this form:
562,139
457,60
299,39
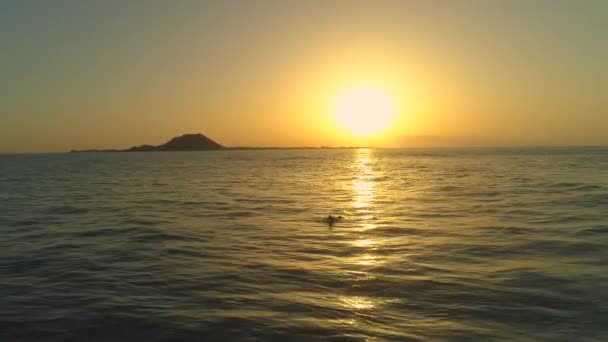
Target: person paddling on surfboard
331,220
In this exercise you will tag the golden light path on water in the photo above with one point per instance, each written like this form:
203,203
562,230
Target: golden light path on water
231,245
364,214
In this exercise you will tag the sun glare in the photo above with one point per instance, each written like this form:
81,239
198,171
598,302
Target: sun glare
365,110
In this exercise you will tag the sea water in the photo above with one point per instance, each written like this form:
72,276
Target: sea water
448,244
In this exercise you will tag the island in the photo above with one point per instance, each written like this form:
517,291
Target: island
186,142
200,142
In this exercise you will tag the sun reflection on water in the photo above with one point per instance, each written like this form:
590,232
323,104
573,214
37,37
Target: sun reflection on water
358,302
368,260
363,185
364,188
365,243
364,214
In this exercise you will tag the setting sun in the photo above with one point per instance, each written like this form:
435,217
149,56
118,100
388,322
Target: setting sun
303,170
365,110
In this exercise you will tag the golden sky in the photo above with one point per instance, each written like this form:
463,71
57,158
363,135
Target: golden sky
110,74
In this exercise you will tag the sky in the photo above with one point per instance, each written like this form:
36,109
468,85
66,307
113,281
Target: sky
113,74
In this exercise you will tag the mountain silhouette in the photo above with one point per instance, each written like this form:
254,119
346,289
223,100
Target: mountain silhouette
186,142
199,142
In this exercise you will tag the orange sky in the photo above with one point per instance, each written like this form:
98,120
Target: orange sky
269,73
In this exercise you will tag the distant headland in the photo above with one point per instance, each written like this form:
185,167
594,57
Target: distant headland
194,142
186,142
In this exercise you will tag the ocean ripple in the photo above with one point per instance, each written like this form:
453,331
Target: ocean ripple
480,244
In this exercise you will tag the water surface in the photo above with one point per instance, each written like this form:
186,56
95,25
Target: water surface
436,244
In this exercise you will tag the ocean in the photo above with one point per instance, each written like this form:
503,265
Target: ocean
434,244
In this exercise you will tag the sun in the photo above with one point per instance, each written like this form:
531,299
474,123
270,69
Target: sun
365,110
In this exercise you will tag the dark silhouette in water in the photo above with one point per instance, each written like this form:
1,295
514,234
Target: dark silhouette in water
331,220
199,142
186,142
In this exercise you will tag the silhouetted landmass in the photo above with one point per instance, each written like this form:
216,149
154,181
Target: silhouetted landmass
198,142
93,150
294,148
186,142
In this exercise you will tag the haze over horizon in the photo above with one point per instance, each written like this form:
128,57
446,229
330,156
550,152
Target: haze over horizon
78,75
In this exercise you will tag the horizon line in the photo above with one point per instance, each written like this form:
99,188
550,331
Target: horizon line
244,148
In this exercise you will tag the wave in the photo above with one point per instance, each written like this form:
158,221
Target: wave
580,187
478,246
67,210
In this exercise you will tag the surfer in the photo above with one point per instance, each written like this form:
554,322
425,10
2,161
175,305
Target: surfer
331,220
